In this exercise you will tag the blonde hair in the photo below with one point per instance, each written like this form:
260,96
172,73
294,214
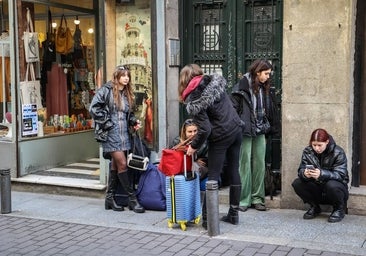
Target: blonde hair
186,74
118,72
187,123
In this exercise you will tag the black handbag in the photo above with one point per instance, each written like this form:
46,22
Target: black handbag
263,126
138,159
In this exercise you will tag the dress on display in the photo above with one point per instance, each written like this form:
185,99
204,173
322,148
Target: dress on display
148,121
56,93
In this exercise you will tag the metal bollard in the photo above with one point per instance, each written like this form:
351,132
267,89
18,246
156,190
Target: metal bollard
5,185
212,205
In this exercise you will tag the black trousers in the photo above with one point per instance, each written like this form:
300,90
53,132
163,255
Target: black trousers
226,149
332,192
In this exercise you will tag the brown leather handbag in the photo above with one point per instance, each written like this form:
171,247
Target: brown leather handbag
64,38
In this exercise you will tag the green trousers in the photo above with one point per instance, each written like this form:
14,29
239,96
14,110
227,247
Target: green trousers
252,170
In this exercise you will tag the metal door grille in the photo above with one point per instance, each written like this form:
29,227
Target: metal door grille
262,36
208,44
227,36
262,32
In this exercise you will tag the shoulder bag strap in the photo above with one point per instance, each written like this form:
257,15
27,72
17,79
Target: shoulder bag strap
183,143
29,22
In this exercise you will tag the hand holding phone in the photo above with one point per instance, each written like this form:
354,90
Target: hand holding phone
310,167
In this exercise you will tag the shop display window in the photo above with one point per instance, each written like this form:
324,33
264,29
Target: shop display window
65,72
133,45
5,74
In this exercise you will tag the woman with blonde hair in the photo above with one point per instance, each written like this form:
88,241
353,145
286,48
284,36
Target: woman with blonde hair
189,130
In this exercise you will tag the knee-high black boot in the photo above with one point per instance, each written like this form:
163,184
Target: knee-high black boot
233,214
133,204
110,203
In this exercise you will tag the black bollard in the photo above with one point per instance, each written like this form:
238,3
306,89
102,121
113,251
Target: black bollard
212,205
5,185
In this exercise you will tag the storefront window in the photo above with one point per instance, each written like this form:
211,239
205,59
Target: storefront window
133,33
65,71
5,74
85,4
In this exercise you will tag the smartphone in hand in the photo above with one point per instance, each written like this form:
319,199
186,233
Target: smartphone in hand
310,167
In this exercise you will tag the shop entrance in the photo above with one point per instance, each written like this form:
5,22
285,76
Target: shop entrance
359,124
227,36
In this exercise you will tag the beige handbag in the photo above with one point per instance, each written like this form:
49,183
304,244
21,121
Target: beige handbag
30,90
31,46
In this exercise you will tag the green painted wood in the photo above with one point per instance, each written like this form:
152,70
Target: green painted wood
227,36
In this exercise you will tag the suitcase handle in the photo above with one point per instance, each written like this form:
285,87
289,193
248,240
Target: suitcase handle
185,167
184,143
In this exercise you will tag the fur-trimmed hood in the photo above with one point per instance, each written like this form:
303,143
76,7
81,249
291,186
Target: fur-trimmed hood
210,89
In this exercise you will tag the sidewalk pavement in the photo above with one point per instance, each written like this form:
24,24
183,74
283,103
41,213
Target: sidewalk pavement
43,224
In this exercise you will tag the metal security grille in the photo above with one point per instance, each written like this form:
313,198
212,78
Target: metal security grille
209,27
262,32
262,39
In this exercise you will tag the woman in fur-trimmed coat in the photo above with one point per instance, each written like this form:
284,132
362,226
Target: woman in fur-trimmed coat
211,109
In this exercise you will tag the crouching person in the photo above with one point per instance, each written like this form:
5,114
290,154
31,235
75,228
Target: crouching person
323,176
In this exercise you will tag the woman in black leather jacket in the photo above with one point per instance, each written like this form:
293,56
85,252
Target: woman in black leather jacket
111,110
218,123
323,176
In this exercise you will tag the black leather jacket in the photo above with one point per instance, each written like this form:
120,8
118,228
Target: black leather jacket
102,111
332,163
243,105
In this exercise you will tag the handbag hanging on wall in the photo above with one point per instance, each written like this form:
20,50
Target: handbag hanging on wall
64,38
30,38
49,51
30,89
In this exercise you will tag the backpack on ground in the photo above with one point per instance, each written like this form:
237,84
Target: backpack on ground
151,192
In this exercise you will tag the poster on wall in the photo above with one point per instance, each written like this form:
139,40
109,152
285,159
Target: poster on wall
29,120
133,44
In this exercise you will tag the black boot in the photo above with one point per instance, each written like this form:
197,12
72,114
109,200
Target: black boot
233,214
204,213
133,204
313,211
338,214
110,203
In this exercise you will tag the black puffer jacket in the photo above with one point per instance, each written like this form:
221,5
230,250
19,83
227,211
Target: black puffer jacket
212,111
332,163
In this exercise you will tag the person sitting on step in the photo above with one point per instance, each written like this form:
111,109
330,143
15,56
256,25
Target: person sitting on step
189,129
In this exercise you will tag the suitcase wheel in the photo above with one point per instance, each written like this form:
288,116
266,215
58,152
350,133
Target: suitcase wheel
170,224
197,220
183,226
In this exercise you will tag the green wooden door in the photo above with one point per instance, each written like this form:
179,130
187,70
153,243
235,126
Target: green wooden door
227,36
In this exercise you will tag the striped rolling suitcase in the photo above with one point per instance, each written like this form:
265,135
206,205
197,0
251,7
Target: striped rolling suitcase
183,203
